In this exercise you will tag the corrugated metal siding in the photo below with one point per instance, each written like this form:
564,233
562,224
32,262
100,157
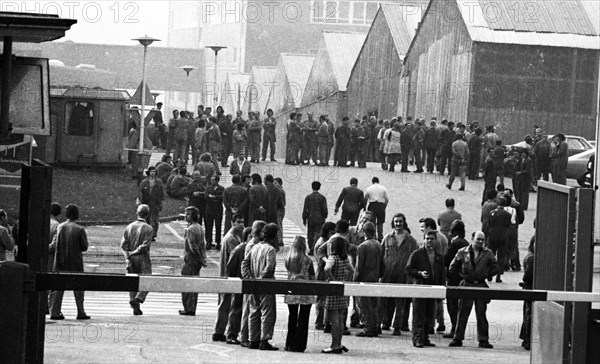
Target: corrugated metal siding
403,19
553,218
513,125
322,80
297,68
343,49
568,23
437,70
375,78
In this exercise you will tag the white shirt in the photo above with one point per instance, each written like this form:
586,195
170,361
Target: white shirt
376,193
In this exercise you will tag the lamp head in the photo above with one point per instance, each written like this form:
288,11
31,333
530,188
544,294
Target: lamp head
146,40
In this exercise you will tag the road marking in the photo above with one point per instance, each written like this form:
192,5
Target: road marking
175,233
212,349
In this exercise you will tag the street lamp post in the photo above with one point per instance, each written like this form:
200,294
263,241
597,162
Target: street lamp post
145,41
187,70
216,49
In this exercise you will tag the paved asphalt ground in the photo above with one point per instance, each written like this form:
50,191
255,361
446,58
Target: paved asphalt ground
161,335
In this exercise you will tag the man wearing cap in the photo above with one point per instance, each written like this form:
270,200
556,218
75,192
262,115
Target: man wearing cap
194,257
151,193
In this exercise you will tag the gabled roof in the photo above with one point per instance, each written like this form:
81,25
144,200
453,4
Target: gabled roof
403,20
263,76
343,49
234,79
297,68
566,23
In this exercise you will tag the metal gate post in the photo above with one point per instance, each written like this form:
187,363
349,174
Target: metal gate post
13,315
34,232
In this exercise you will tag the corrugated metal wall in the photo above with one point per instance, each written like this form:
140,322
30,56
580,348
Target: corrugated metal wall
554,232
437,74
375,79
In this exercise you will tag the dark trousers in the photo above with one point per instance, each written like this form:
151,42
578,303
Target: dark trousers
501,253
405,153
56,298
392,159
474,165
268,142
452,306
464,310
458,170
360,153
418,160
214,217
320,308
351,216
513,246
297,335
369,309
378,209
525,333
153,219
388,306
313,235
190,268
235,316
225,151
294,150
430,159
445,158
423,314
223,313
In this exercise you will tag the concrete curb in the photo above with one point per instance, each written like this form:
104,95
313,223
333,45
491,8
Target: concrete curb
110,223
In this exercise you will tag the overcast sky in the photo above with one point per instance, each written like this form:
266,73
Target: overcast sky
106,21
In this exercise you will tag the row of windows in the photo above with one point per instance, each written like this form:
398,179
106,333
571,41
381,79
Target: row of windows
343,12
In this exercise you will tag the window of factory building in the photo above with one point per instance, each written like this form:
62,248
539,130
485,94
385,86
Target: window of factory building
343,12
79,118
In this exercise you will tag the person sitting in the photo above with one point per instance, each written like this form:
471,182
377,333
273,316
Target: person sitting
179,185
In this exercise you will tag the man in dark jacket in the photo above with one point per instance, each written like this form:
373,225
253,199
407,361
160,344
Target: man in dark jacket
235,199
474,264
259,200
69,243
425,266
351,199
497,234
475,143
214,211
369,268
194,257
431,145
343,137
406,140
151,192
397,248
275,202
269,135
226,129
314,214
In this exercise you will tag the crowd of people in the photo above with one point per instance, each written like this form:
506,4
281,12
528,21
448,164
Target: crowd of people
355,249
462,151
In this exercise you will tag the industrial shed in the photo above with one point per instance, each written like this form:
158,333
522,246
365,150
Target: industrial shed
325,91
487,62
373,87
289,85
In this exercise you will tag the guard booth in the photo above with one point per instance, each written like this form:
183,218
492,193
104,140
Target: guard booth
564,332
88,128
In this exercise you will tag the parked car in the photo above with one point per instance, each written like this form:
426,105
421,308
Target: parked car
581,167
576,144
